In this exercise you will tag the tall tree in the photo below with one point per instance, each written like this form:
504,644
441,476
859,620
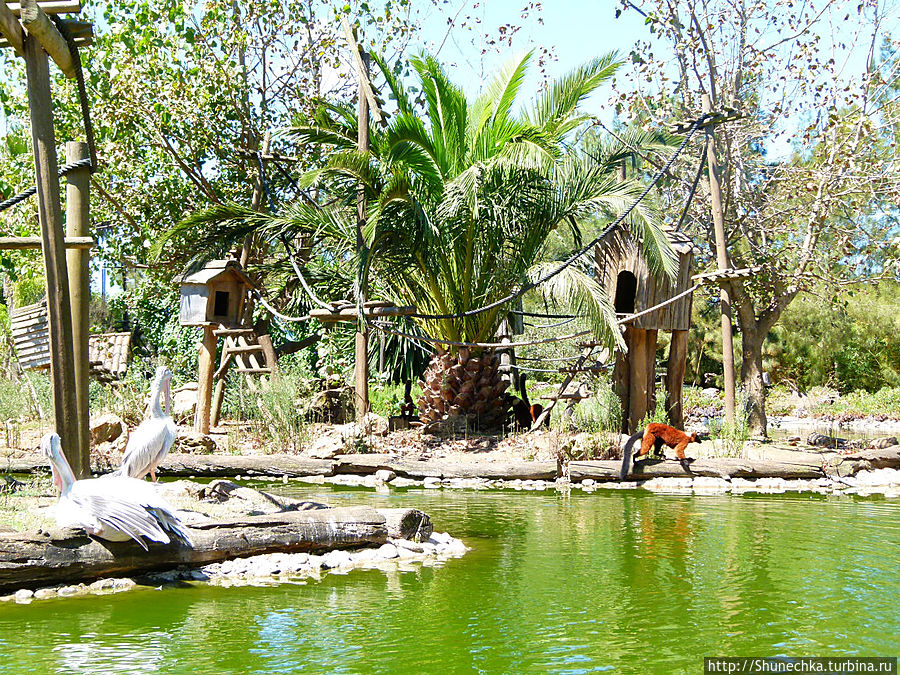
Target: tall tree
810,93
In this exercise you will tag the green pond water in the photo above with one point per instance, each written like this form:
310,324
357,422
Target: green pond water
622,581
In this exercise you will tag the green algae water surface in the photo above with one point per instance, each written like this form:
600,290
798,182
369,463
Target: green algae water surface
555,582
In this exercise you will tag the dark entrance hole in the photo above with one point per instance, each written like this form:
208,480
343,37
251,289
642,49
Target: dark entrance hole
626,290
220,307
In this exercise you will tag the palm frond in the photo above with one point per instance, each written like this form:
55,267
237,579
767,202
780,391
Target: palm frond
580,294
556,104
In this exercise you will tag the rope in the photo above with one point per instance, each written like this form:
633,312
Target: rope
575,256
274,312
632,317
519,312
490,345
495,345
690,197
82,90
30,192
303,283
552,325
91,161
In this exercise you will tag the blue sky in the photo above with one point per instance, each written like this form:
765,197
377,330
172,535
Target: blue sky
576,31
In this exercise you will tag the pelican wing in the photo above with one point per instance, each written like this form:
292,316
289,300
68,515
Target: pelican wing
147,445
123,515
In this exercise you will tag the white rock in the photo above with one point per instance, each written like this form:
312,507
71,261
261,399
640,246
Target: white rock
456,548
408,545
385,475
113,585
68,591
23,596
334,559
668,484
878,477
44,593
587,482
710,484
440,538
365,556
407,554
387,551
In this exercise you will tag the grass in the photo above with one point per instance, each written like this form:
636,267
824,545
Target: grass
733,434
16,506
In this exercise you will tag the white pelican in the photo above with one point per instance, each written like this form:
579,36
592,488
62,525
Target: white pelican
116,508
150,442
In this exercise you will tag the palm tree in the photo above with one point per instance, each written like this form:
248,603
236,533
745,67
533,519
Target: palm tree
462,196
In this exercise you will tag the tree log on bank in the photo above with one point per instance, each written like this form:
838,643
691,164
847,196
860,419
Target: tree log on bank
409,524
212,465
608,470
64,556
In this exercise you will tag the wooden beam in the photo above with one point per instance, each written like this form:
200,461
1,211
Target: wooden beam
39,26
18,243
718,217
59,313
205,366
362,70
675,378
78,224
11,29
49,6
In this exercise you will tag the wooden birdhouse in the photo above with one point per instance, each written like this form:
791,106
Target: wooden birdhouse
623,271
214,295
625,274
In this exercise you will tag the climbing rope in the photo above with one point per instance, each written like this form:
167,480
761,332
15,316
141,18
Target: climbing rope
91,162
274,312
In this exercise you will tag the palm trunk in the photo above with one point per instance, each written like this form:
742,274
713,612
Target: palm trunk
465,384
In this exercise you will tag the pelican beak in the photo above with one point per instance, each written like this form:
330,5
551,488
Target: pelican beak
169,396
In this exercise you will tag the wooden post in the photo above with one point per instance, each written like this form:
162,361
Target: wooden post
78,262
361,371
675,377
62,366
205,368
637,378
652,336
217,400
715,193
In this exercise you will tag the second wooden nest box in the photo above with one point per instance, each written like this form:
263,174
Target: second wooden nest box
214,295
623,271
625,275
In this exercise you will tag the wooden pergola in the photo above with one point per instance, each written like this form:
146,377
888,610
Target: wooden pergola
27,28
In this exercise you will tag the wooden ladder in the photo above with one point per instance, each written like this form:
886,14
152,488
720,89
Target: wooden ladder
252,354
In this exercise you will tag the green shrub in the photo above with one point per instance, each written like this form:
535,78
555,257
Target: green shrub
279,419
736,433
602,412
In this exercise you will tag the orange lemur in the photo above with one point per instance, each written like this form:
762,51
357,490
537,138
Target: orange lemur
654,436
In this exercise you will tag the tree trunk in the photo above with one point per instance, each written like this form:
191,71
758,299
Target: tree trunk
467,384
752,378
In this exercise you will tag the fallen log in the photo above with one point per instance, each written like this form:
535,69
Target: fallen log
880,458
68,556
176,464
409,524
608,470
369,464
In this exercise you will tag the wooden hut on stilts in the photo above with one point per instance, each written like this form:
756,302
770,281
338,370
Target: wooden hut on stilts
623,271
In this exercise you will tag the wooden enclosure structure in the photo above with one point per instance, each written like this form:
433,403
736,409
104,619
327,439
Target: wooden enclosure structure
625,275
26,28
216,299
